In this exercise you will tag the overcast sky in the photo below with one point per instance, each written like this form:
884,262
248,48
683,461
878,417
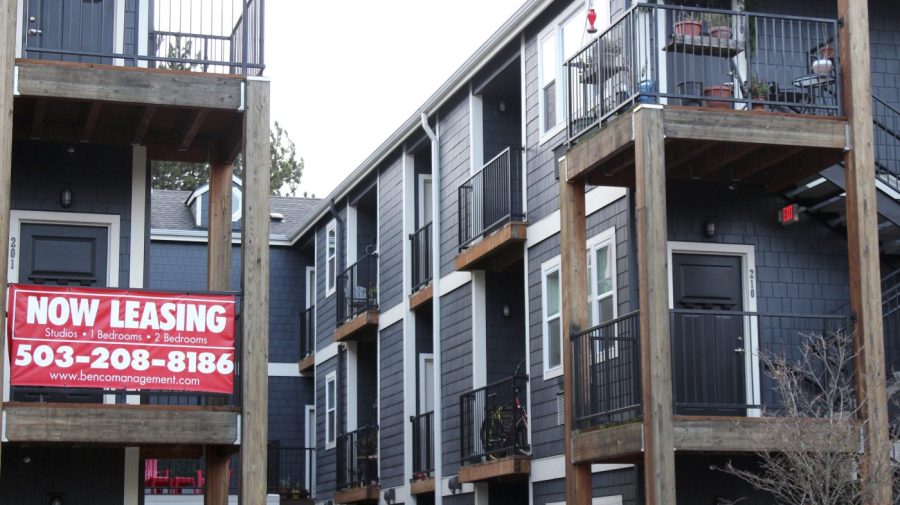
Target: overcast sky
345,75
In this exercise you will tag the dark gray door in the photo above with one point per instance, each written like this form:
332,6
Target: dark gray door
708,343
77,27
61,255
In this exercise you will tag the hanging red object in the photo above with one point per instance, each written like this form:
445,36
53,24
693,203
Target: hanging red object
592,18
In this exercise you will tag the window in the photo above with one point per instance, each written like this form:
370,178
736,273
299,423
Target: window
330,410
559,42
552,321
330,257
602,285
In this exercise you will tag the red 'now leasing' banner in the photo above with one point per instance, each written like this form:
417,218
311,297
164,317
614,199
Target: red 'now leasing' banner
119,339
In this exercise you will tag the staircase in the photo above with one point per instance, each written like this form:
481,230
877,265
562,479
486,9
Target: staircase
822,196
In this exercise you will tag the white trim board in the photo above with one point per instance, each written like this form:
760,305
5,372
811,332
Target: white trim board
594,200
284,370
326,353
554,467
391,316
748,286
467,487
454,281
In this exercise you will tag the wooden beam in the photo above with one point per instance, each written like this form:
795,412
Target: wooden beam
255,275
7,59
656,369
131,85
187,138
769,157
691,123
773,434
498,241
421,297
511,468
720,156
218,268
679,153
608,444
597,147
38,117
90,122
362,494
143,124
360,327
797,168
862,243
120,424
573,272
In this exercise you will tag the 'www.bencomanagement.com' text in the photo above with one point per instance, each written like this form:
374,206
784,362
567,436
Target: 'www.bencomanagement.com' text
119,379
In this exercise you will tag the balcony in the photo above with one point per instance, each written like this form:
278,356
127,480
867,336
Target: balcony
223,36
421,267
357,466
746,97
721,392
422,481
308,339
493,431
492,225
357,300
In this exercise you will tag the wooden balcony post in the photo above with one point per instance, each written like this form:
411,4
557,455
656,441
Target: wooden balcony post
218,270
573,271
862,241
255,277
656,365
7,68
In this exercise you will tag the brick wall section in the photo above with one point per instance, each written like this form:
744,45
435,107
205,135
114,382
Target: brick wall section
454,155
456,372
99,177
390,242
392,422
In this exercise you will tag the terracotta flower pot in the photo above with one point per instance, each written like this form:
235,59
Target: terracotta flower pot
720,32
689,27
721,91
826,52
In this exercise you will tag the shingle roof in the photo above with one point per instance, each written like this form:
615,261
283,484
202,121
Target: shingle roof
169,213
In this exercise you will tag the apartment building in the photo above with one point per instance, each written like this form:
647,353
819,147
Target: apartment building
92,93
485,282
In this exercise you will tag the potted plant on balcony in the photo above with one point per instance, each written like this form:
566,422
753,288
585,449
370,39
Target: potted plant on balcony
719,26
688,26
725,90
759,90
690,88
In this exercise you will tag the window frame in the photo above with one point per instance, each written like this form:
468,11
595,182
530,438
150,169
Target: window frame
331,268
548,268
555,30
331,435
605,239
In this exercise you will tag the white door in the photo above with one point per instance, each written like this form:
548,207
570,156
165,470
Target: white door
310,286
310,444
424,200
426,383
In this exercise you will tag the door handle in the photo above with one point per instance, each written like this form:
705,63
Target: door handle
34,31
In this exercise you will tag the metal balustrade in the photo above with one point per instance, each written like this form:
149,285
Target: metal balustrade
357,458
715,58
308,332
357,288
421,257
423,445
492,197
493,420
215,36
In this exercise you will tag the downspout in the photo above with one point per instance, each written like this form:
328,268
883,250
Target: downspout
436,308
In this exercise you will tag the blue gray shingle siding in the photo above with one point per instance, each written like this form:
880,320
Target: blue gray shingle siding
326,309
390,202
392,421
103,184
505,343
456,372
455,169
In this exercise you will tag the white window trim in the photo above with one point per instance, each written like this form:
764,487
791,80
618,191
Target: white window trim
331,275
331,438
554,30
606,238
547,268
423,359
420,217
310,456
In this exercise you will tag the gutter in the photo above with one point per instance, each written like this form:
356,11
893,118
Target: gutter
503,36
436,307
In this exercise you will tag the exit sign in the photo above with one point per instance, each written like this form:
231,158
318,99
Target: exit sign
789,214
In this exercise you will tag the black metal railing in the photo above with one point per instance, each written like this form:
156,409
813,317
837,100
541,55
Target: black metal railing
421,257
220,36
423,445
890,310
493,420
607,383
714,353
492,197
308,332
357,458
291,471
357,288
182,476
887,142
705,57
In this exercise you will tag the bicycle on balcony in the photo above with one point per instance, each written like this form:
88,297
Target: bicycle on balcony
504,430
